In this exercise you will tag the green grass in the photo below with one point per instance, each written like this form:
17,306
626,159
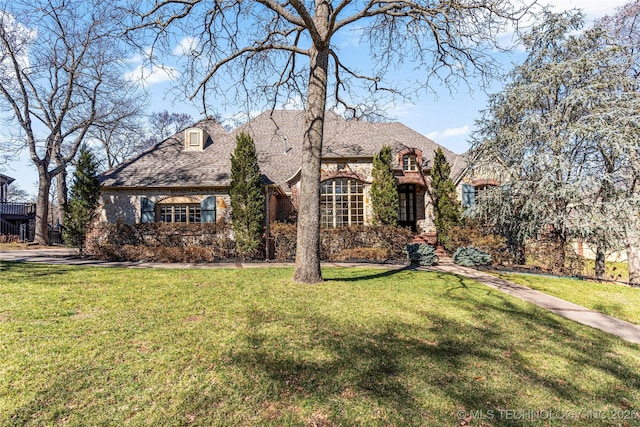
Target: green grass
614,299
613,270
245,347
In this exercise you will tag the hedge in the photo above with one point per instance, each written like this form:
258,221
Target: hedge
209,242
162,242
376,243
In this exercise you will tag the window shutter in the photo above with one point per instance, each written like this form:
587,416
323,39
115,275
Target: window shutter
468,195
208,209
147,210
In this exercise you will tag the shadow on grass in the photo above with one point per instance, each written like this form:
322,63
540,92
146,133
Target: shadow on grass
359,277
17,270
413,372
462,347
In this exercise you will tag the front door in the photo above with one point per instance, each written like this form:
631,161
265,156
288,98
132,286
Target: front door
407,206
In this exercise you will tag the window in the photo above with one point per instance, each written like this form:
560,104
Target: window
178,209
341,202
471,194
483,190
468,195
409,162
179,213
194,139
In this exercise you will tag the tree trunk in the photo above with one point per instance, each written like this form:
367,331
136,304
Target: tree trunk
632,246
559,256
307,265
516,248
600,261
62,191
42,207
520,253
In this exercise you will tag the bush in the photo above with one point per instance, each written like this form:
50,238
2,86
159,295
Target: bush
542,254
362,254
335,241
161,242
481,238
471,257
247,198
8,238
284,241
420,254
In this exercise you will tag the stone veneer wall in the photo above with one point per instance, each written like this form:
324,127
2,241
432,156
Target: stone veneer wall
124,205
363,169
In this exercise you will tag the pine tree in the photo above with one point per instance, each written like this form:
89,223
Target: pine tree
384,193
445,203
565,132
83,200
247,197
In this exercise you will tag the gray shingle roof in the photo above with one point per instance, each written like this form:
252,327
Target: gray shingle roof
278,137
166,164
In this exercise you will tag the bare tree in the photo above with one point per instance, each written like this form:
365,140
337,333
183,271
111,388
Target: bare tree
17,194
60,73
164,124
122,133
161,125
277,50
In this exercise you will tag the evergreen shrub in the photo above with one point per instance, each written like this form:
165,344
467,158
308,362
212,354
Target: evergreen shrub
482,238
247,198
471,257
421,254
384,190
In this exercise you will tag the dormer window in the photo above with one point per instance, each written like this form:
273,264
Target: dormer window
194,139
409,162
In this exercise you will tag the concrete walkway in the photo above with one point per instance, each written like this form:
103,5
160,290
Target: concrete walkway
625,330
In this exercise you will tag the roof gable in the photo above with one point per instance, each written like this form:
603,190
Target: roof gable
278,137
167,164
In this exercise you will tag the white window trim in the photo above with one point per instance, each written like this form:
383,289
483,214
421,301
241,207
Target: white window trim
189,145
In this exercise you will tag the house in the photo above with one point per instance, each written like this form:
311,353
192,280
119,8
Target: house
185,177
15,216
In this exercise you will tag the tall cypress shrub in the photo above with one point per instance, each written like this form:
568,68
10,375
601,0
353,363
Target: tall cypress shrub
83,201
446,207
247,197
384,193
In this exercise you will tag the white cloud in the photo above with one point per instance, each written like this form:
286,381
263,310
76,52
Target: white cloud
294,103
401,111
451,132
146,71
149,75
21,41
185,46
592,8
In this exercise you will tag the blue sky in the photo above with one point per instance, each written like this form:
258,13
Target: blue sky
447,118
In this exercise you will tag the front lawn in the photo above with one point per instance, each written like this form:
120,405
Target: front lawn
613,270
245,347
610,298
